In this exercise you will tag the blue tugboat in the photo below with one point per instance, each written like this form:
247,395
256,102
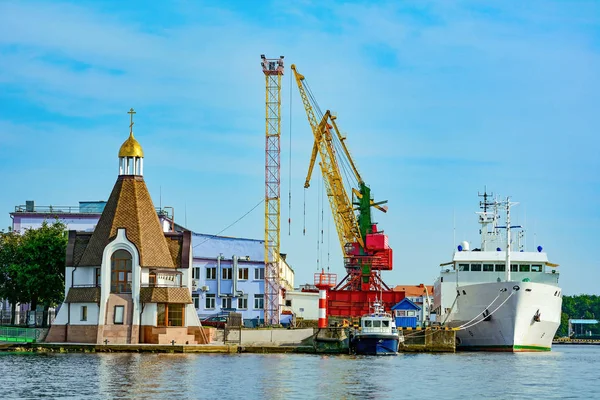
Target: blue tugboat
377,334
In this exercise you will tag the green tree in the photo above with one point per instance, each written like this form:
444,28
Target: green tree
9,271
41,256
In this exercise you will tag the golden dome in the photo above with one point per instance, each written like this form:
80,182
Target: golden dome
131,148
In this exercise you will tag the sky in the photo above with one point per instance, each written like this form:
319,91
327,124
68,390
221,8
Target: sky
439,101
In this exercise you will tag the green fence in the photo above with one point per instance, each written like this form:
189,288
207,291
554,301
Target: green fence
18,335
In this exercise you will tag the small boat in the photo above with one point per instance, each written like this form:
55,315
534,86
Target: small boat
377,334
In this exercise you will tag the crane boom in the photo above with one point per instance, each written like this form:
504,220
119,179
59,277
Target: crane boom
365,249
343,213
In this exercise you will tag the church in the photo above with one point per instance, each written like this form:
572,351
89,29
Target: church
128,281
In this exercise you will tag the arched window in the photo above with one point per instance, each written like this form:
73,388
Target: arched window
120,268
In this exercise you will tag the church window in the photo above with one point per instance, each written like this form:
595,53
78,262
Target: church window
170,314
98,274
120,267
119,315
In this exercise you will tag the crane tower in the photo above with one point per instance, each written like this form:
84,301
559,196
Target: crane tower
273,71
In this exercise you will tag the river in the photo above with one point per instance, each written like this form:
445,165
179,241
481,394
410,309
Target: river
567,372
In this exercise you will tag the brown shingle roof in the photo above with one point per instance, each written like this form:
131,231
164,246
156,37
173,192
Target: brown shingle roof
130,206
83,295
179,245
165,295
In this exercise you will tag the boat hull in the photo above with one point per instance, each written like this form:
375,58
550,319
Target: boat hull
375,345
520,320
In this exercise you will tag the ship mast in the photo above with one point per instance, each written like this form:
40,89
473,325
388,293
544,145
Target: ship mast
507,239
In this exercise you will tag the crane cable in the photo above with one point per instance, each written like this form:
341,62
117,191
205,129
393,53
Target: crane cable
230,225
290,167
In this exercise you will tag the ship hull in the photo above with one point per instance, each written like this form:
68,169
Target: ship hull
375,344
524,318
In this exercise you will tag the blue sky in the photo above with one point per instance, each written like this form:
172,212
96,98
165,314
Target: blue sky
438,99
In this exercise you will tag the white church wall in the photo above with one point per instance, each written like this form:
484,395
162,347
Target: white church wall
149,314
76,314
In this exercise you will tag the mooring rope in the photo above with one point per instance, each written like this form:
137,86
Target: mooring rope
465,326
476,316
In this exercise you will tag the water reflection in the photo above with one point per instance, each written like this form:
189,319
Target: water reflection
285,376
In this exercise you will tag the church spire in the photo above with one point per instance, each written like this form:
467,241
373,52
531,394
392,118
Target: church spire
131,154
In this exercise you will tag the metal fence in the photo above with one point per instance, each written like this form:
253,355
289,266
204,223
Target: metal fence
18,335
27,318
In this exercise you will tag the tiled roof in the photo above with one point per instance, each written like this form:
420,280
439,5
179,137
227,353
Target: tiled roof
130,206
414,290
179,245
165,295
76,245
83,295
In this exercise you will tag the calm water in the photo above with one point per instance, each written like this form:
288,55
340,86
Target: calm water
566,372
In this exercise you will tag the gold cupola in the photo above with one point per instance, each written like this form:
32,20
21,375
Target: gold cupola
131,148
131,154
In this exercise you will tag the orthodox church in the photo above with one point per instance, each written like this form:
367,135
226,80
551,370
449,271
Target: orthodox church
128,281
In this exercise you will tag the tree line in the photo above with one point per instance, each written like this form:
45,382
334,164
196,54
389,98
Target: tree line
583,306
32,266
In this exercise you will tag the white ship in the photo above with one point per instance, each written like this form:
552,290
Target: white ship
493,307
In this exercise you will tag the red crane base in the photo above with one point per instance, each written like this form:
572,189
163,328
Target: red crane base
356,303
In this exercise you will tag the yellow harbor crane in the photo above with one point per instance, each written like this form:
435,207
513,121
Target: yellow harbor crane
365,249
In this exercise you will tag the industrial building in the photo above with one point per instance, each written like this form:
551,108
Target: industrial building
229,275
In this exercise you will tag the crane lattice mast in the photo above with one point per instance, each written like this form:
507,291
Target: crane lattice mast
273,71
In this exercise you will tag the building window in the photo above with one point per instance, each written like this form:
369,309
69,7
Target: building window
500,267
259,301
226,273
120,267
98,281
119,315
196,300
476,267
400,313
410,313
152,279
488,267
210,301
259,274
170,314
196,273
243,274
226,303
288,303
242,303
83,313
211,273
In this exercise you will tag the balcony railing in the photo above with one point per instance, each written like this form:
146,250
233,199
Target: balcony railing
75,210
